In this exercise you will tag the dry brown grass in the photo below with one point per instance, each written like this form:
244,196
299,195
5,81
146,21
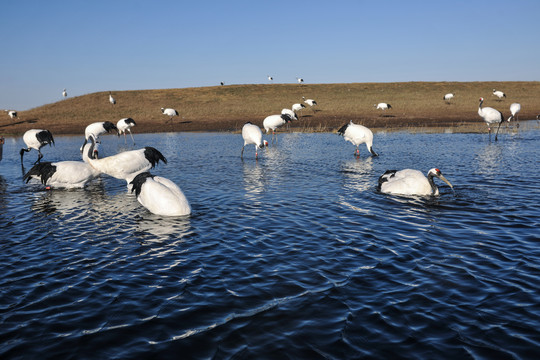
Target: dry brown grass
227,108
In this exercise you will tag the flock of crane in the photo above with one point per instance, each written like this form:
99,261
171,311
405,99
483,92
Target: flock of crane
161,196
403,182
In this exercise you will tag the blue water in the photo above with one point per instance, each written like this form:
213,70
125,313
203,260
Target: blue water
295,255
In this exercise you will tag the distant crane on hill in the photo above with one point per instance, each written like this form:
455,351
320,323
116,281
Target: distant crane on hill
64,94
298,107
448,97
383,106
12,114
169,112
111,99
310,102
499,94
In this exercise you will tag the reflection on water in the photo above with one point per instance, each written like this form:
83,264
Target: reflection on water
253,179
358,172
489,157
153,228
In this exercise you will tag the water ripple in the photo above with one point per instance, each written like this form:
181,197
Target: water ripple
294,255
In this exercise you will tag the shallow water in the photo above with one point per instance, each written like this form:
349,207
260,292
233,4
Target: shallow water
295,255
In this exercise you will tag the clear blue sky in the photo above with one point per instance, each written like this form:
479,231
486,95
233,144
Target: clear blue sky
90,46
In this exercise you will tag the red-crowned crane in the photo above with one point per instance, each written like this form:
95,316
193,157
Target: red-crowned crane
64,94
490,116
97,129
297,107
383,106
273,122
300,80
357,135
124,125
289,112
270,78
62,174
448,97
160,195
169,112
410,182
36,139
12,114
499,94
310,102
515,108
252,134
111,99
125,165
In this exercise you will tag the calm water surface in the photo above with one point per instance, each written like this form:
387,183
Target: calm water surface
295,255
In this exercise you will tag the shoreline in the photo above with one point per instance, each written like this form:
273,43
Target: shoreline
415,105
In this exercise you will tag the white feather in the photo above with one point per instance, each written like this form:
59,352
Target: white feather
161,196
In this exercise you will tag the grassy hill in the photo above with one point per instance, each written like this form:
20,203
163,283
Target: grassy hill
227,108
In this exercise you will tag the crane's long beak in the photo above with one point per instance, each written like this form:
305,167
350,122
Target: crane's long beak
445,180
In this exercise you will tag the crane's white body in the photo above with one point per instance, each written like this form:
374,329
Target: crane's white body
297,107
310,102
64,94
449,96
410,182
97,129
124,125
36,139
289,112
125,165
65,174
252,134
12,113
357,135
515,108
490,115
383,106
499,94
111,99
163,197
169,112
273,122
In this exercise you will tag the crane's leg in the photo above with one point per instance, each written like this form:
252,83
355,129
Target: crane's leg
357,152
497,133
242,153
40,155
